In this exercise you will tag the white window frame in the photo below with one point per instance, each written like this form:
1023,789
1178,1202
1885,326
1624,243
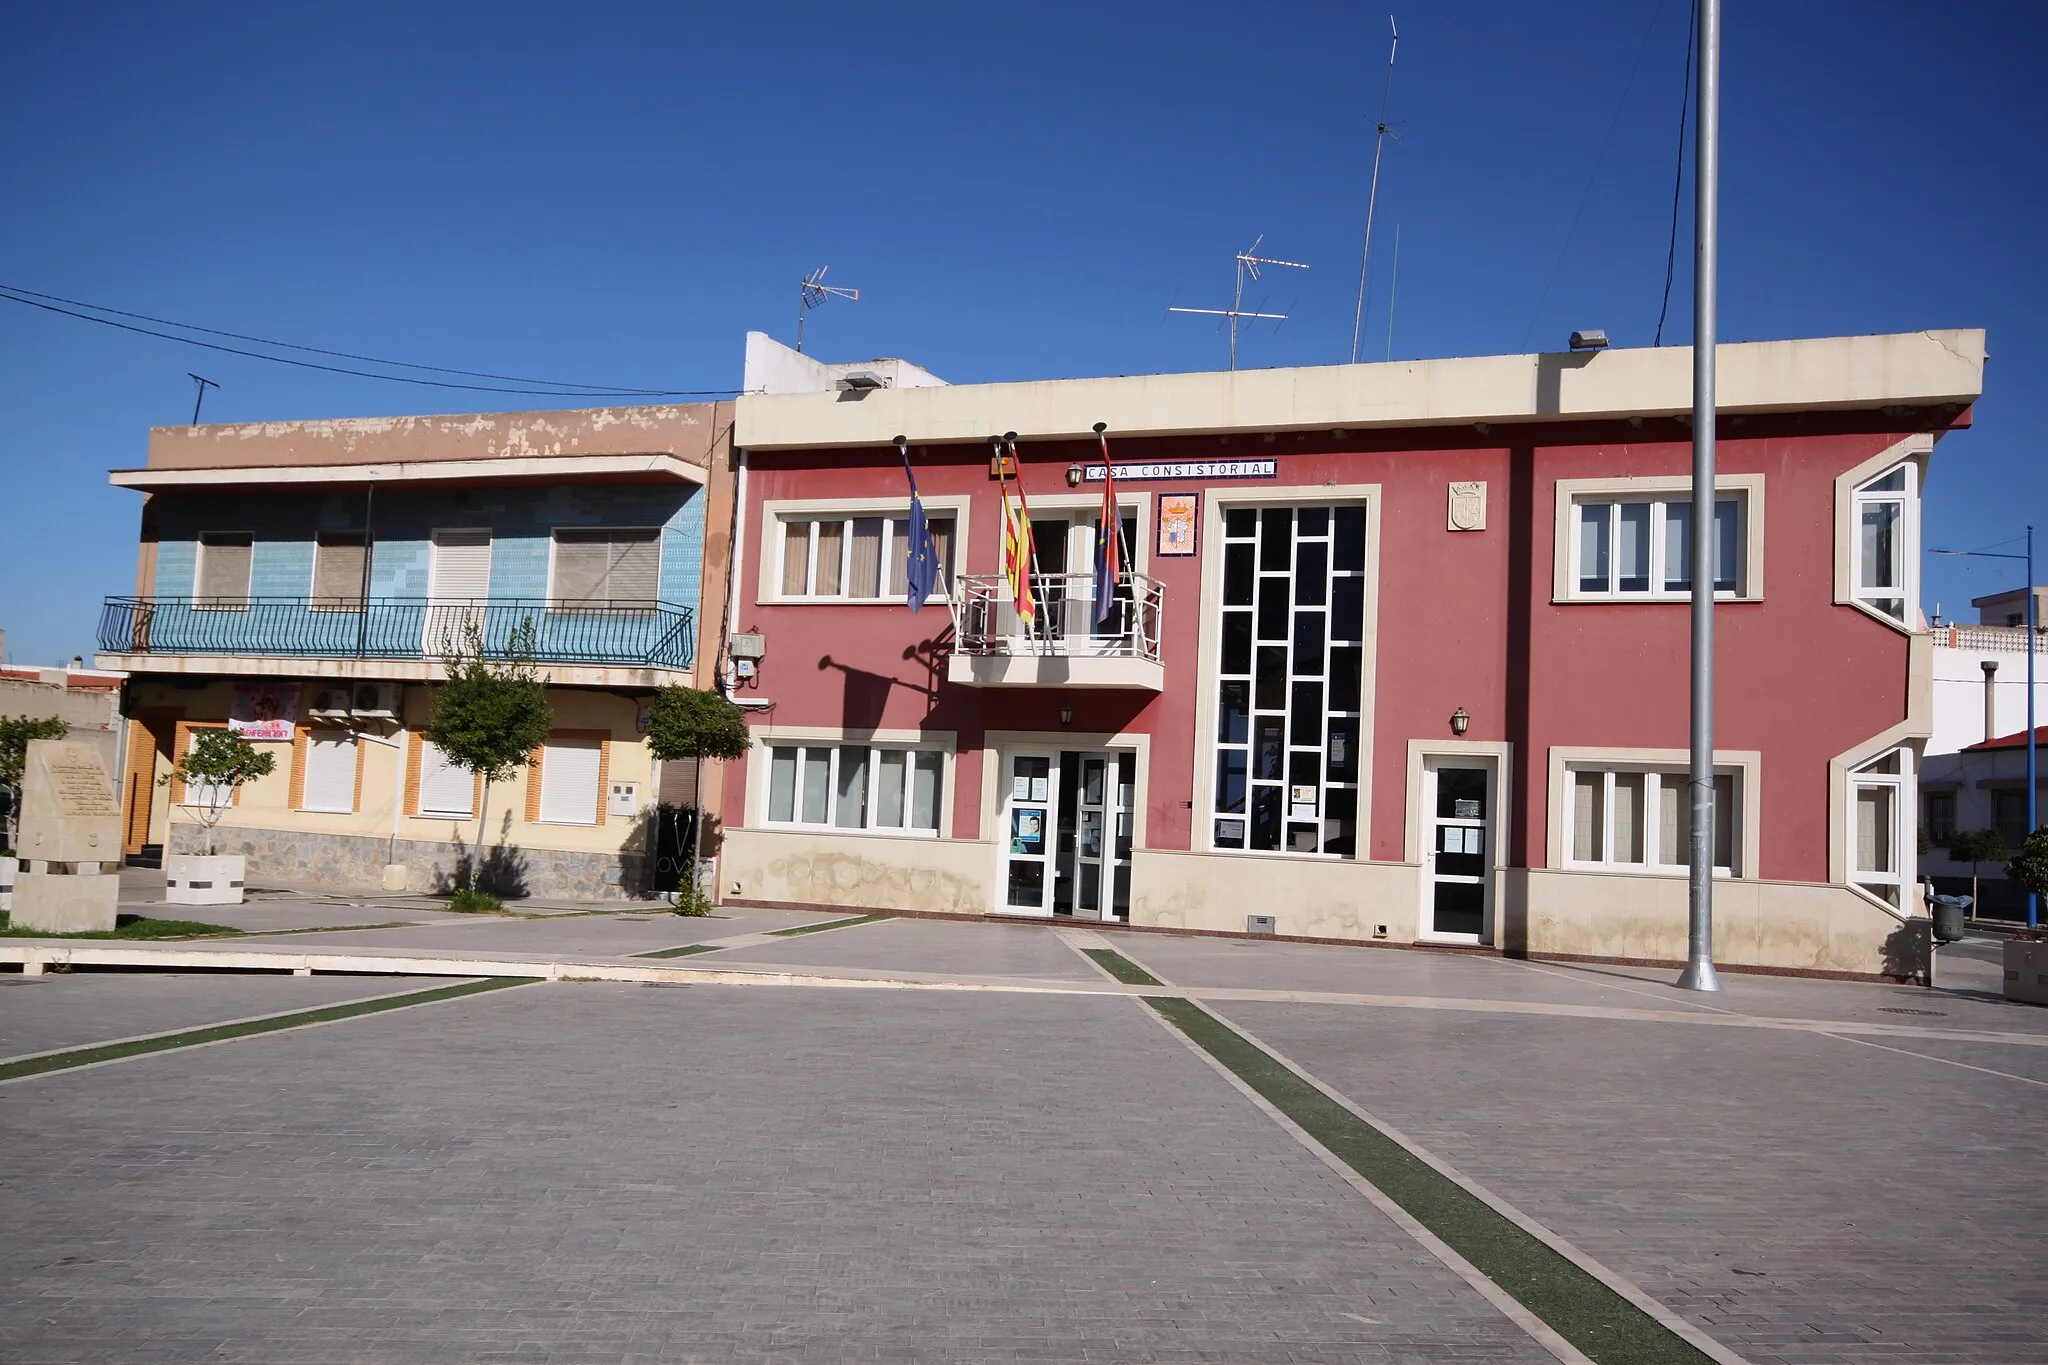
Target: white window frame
775,512
1208,749
1904,831
1912,451
660,555
1906,546
1745,490
1656,860
1667,766
762,778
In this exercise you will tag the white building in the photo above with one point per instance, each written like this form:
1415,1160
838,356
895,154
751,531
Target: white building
1973,774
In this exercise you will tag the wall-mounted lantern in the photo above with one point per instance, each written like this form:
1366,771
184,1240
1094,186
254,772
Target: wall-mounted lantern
1460,722
1066,715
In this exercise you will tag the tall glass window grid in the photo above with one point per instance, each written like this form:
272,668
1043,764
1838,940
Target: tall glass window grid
1885,552
856,786
1291,665
1882,816
1629,819
1642,547
844,558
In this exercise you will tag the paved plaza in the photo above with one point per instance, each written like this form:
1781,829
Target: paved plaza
967,1142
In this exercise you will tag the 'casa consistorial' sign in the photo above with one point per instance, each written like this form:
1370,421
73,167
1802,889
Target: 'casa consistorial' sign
1187,469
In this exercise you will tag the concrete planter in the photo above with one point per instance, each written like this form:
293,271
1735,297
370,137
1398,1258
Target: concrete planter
2026,971
193,879
8,867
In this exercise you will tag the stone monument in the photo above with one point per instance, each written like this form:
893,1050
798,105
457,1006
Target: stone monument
70,841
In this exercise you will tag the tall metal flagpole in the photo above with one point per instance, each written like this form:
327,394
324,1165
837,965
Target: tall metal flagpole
1699,964
2033,814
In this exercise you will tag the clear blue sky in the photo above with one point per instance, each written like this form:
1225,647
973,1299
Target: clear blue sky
616,193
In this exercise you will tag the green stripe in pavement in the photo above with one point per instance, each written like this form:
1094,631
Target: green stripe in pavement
828,924
1121,967
1585,1312
684,951
86,1056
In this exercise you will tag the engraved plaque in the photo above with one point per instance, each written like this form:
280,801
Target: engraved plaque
79,784
1468,506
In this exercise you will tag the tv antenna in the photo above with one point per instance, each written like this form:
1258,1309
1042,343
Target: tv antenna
204,384
1372,199
1248,263
813,293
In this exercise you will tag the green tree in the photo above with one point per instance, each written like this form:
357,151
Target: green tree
2028,868
218,764
685,723
1974,846
15,733
491,715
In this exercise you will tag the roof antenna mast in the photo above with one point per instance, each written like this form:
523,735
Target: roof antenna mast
813,292
1248,263
1379,145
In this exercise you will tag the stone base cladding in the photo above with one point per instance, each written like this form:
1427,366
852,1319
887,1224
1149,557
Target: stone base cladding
296,858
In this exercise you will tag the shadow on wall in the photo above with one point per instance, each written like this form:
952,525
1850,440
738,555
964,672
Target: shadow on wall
502,873
671,837
1905,951
1511,914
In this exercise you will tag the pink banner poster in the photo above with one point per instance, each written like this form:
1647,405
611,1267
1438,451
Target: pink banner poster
264,710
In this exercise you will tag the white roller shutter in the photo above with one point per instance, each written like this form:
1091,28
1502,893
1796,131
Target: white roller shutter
568,781
330,777
444,788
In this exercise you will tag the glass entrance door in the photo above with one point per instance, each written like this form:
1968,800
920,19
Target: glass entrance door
1067,822
1458,864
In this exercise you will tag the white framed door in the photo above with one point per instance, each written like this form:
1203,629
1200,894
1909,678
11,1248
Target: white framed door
1067,822
1460,804
1030,808
458,585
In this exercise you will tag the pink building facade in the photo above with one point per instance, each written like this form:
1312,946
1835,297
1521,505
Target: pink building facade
1402,655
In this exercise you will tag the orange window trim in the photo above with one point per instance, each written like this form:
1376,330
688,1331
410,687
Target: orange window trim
181,744
413,751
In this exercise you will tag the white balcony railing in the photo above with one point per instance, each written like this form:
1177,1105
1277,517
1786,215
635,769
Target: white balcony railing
986,623
2010,639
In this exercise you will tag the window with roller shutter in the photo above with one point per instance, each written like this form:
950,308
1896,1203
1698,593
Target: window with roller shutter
445,789
223,574
613,568
329,779
338,558
571,781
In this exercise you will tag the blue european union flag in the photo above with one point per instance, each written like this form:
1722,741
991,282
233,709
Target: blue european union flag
923,575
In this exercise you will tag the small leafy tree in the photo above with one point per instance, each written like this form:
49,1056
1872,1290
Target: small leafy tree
2028,868
15,733
1974,846
687,723
491,715
218,764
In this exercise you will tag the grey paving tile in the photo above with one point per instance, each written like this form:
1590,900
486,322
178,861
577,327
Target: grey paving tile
1024,950
1874,1195
75,1009
586,1172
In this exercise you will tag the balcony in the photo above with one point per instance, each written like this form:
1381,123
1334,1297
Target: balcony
394,637
1063,646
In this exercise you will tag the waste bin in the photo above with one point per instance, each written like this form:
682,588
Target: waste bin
1948,917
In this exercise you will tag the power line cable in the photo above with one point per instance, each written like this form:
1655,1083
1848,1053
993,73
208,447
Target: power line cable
11,295
1678,172
1619,104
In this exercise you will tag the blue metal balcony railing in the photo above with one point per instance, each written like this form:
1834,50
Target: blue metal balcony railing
646,634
